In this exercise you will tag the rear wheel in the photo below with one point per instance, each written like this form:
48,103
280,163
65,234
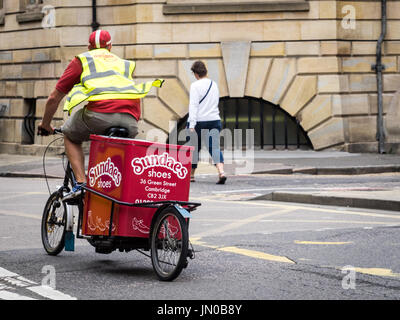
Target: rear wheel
169,244
54,224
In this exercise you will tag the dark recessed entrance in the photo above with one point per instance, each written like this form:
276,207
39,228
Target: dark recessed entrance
273,128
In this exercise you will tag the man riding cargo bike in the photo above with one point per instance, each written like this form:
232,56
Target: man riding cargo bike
105,80
113,214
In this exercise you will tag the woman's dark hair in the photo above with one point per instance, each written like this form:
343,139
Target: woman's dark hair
199,68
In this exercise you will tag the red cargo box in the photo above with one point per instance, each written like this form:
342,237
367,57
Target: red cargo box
133,171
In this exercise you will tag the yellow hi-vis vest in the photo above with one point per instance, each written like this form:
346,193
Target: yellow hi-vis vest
105,76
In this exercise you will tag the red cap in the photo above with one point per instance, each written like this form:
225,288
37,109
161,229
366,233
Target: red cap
99,39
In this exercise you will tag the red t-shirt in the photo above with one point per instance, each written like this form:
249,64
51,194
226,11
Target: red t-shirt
72,76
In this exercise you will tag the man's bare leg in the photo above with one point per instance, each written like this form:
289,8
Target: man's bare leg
76,158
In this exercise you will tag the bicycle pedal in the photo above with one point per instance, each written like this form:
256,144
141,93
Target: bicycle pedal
190,254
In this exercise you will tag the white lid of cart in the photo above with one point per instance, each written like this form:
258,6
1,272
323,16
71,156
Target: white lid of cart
138,142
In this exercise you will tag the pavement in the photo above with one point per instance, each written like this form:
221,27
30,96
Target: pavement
262,163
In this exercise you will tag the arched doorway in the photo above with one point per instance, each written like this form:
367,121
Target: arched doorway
273,127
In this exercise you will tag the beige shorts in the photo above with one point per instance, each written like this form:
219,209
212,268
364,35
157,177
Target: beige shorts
83,123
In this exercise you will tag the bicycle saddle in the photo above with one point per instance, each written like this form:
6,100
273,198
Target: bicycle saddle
117,132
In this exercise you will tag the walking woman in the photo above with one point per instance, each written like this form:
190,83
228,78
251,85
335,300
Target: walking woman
204,121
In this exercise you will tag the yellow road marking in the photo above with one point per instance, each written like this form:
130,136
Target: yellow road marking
322,242
380,272
256,254
245,252
201,243
20,214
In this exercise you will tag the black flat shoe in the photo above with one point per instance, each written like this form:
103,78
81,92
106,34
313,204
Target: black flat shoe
221,180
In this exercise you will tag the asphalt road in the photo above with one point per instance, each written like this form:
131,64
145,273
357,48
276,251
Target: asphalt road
242,187
245,250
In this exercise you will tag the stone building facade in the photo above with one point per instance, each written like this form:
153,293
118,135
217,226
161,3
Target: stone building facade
311,59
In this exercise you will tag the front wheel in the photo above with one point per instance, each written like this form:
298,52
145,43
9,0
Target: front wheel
169,244
54,224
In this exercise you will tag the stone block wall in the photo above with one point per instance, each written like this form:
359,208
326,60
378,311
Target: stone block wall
308,57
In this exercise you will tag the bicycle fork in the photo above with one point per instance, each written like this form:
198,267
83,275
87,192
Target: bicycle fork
69,219
69,215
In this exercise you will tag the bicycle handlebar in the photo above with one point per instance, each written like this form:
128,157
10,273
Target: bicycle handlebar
44,132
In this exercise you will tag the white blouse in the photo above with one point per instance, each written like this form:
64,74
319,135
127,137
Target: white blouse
207,110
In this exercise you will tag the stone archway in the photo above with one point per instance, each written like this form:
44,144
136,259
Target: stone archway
241,73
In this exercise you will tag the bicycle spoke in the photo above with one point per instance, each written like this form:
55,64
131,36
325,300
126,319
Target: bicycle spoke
53,225
169,251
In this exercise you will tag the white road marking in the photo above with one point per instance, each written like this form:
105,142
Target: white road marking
262,189
302,207
293,188
16,280
5,273
50,293
7,295
240,223
20,194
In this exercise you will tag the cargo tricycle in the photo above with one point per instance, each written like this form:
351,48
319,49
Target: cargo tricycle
135,198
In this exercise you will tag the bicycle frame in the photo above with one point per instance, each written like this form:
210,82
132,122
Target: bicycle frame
185,213
69,177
